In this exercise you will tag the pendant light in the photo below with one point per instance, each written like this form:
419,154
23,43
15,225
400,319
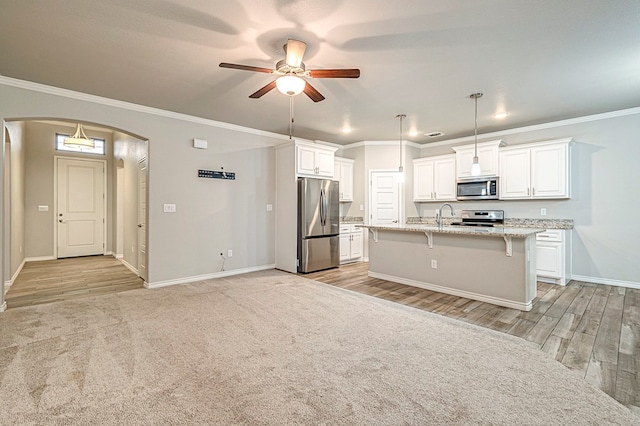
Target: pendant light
475,166
79,139
400,168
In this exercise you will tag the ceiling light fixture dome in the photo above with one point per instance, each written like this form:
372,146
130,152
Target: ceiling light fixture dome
79,139
290,85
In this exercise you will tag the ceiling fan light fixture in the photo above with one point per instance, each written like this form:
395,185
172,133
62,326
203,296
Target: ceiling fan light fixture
79,139
290,85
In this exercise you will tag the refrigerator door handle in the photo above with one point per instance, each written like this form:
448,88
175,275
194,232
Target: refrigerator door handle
322,208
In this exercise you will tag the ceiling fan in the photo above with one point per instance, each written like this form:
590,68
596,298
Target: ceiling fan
291,71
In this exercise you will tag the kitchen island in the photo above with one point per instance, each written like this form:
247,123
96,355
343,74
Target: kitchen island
489,264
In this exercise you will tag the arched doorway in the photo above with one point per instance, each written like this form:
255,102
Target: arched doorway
34,143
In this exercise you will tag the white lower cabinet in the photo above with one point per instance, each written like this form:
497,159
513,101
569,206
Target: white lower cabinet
350,243
552,256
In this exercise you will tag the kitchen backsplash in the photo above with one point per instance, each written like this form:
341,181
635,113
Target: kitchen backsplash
351,219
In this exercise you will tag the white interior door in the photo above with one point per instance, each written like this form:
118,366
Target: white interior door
81,205
384,199
142,218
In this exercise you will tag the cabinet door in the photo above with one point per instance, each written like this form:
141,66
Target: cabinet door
549,172
487,157
515,174
305,160
444,178
549,259
423,188
356,244
324,163
346,181
345,247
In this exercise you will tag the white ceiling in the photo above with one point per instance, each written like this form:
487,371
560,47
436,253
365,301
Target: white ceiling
540,60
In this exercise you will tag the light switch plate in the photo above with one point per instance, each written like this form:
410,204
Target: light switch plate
269,207
43,208
169,208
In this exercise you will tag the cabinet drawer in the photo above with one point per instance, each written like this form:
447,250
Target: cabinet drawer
551,235
345,229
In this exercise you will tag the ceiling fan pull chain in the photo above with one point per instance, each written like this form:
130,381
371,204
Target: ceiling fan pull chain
290,116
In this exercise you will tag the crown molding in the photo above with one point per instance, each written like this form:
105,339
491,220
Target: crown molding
380,143
543,126
42,88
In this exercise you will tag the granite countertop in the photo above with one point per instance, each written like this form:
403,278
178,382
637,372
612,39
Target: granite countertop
497,231
509,223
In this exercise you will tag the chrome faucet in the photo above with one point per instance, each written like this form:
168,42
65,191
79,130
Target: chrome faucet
439,215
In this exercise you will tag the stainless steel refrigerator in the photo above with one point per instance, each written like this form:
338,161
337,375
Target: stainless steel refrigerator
318,224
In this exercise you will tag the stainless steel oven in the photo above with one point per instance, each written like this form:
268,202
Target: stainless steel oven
485,188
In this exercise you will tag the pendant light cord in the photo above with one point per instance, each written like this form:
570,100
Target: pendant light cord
476,126
401,117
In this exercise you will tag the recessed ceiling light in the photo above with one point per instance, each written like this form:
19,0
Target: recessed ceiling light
500,115
346,130
434,134
413,133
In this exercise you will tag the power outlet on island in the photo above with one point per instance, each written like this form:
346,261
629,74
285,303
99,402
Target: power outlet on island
434,264
543,212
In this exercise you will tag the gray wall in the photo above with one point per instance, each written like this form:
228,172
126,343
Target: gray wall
604,175
39,184
212,215
16,221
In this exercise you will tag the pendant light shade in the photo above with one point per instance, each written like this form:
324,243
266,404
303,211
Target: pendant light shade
476,170
79,139
290,85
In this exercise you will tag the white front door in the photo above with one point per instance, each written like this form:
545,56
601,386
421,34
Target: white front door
384,199
142,218
81,207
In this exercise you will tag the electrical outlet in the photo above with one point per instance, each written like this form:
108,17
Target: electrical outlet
543,212
229,253
269,207
361,207
434,264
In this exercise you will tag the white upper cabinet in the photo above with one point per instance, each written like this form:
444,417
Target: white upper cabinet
434,178
343,173
540,170
487,157
314,160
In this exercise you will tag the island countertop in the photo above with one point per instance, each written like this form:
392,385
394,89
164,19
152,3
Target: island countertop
497,231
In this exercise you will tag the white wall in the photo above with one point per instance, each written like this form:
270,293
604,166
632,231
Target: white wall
212,215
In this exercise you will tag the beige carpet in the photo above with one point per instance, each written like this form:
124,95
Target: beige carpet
273,348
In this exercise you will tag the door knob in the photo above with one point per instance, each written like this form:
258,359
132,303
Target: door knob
60,220
139,225
395,221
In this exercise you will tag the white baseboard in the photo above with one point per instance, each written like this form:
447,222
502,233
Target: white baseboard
220,274
118,255
9,283
39,258
596,280
455,292
108,253
128,265
3,307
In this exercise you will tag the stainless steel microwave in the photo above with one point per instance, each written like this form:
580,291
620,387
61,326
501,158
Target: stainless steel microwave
484,188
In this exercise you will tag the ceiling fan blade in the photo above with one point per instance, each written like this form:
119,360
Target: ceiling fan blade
339,73
312,93
266,89
295,51
245,67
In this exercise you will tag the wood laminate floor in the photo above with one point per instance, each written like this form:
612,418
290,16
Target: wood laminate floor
72,278
592,329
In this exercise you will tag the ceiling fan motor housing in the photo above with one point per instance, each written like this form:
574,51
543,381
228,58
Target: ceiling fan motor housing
283,68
